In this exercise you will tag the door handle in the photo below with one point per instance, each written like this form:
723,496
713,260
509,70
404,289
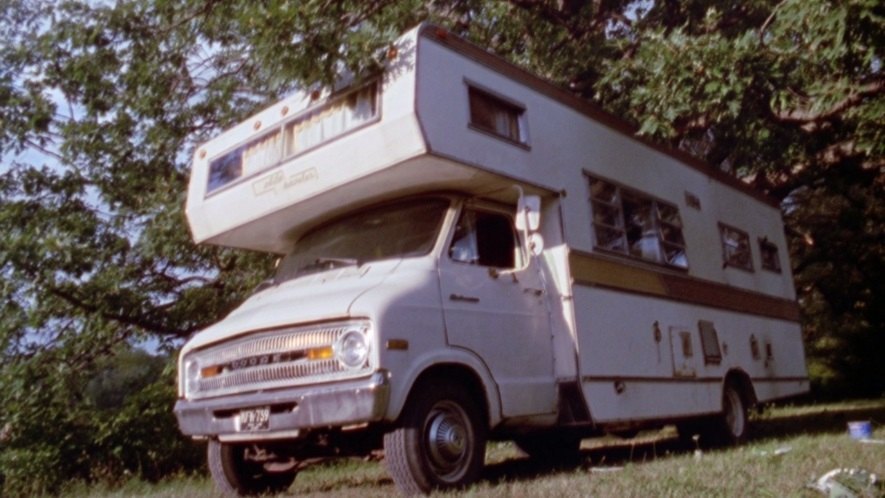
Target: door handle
466,299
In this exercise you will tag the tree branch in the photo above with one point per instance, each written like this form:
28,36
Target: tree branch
807,116
141,323
768,21
40,148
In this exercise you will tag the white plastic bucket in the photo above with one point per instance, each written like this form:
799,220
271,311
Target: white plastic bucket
860,429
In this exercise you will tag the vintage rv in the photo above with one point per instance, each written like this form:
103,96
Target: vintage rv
470,253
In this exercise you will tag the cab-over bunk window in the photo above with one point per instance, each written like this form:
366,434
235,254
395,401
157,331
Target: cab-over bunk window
309,129
635,224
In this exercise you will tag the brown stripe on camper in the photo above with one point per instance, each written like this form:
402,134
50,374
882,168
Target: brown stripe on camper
590,269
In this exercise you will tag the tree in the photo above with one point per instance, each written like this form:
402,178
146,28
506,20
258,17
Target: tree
101,106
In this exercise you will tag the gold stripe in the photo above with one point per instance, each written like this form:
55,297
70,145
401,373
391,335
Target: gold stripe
593,270
587,269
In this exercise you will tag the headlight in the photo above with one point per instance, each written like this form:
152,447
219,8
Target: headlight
352,349
191,376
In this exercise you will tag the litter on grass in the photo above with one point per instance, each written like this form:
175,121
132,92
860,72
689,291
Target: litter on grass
783,450
602,470
860,429
849,483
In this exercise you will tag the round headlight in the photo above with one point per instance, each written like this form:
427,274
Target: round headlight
191,376
352,349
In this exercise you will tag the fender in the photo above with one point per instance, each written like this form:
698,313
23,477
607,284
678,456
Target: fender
401,387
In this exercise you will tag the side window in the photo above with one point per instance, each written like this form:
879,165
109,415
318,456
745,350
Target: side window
735,248
636,224
485,239
496,115
768,253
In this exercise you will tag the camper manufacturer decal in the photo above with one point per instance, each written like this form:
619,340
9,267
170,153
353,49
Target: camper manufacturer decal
278,181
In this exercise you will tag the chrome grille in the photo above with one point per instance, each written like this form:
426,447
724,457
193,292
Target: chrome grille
268,360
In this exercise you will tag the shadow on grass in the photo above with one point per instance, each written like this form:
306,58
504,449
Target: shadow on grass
616,453
781,423
830,419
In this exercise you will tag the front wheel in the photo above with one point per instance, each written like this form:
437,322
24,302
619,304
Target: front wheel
236,474
440,444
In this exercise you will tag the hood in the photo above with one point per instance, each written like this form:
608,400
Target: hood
316,297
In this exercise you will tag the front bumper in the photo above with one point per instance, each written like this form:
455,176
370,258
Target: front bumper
291,410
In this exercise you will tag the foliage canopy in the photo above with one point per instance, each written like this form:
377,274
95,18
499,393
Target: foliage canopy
101,105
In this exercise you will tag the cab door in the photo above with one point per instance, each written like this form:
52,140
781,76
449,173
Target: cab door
495,306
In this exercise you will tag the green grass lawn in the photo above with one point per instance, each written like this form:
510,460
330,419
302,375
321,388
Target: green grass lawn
791,447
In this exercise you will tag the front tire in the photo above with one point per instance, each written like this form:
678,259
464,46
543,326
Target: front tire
235,475
440,444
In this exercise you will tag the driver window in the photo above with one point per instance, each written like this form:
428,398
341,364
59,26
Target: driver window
485,239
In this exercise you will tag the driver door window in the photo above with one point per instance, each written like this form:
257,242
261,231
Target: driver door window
485,239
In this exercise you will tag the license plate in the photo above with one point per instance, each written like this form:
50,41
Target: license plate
254,419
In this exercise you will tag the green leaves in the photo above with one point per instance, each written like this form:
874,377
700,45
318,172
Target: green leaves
101,105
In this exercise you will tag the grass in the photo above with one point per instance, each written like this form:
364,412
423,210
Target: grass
791,447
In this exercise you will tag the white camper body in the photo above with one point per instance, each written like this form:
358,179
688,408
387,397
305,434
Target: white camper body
645,289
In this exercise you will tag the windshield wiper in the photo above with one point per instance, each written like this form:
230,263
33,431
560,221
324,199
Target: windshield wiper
329,263
319,264
338,261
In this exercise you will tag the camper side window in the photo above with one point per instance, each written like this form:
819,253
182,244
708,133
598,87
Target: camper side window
496,115
769,254
735,248
485,239
636,224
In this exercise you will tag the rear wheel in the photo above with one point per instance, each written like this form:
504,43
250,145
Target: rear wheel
236,474
440,444
733,424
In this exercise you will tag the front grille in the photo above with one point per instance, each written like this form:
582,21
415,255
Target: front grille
268,360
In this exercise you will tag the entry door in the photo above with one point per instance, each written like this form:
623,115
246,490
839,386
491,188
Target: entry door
499,312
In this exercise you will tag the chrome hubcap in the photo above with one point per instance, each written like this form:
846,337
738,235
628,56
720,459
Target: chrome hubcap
448,440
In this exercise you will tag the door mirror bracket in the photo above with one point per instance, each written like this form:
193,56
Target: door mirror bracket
497,273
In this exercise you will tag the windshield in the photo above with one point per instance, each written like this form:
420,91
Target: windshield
399,230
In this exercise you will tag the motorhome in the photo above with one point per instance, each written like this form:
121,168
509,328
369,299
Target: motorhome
470,253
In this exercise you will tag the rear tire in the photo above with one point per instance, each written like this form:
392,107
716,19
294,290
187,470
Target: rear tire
235,475
730,427
440,444
734,424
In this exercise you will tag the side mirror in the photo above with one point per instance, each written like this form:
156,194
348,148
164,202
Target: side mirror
536,244
528,213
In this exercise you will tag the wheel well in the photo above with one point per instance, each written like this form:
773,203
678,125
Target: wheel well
741,381
455,374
